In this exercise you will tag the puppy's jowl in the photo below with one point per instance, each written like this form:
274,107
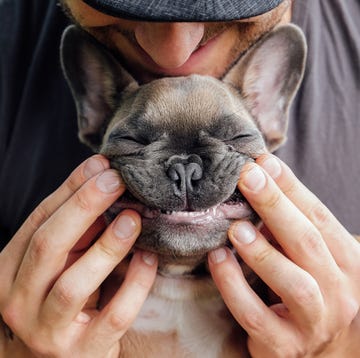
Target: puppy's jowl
179,144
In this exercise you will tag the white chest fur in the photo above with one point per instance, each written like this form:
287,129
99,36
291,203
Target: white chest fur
190,309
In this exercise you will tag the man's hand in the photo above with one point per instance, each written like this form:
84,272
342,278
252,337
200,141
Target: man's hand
315,272
51,268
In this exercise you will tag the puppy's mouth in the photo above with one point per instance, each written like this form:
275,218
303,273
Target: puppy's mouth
234,208
183,238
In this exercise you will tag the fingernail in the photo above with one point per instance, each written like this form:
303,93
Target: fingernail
125,227
243,232
272,166
108,182
254,179
149,258
93,166
217,256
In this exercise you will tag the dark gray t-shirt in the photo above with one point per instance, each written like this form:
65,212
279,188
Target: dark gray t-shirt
38,131
323,144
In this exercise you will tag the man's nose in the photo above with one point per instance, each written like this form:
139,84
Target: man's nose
169,44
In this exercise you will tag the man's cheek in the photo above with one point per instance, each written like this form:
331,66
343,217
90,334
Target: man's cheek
87,16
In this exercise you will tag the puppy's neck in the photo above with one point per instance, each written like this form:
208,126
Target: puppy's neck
190,310
184,288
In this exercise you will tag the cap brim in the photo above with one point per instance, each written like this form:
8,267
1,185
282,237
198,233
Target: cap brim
184,10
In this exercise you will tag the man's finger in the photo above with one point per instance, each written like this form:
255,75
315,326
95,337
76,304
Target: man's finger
48,251
337,238
118,315
259,321
77,283
298,290
12,255
296,234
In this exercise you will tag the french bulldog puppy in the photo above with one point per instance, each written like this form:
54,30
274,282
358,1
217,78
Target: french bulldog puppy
179,144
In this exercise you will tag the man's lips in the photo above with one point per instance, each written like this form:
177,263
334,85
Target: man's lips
193,64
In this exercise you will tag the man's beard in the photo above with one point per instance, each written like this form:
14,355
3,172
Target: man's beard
249,32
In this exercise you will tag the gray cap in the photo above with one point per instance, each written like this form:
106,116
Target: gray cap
184,10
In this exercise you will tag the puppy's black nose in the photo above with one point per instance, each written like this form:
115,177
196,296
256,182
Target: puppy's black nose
184,171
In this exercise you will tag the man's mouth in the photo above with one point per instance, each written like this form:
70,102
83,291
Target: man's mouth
191,65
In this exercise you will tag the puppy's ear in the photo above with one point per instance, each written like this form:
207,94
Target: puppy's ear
96,80
268,76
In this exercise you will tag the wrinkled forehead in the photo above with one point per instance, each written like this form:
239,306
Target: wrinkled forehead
193,102
192,91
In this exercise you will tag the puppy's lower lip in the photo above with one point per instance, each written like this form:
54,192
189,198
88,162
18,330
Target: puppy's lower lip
224,211
218,212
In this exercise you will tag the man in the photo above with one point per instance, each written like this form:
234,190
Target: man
47,271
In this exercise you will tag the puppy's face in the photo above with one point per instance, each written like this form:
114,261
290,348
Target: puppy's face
180,143
181,162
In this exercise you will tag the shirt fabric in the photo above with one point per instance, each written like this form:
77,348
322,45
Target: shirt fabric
39,146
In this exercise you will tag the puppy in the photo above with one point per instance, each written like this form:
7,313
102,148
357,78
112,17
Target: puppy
179,144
